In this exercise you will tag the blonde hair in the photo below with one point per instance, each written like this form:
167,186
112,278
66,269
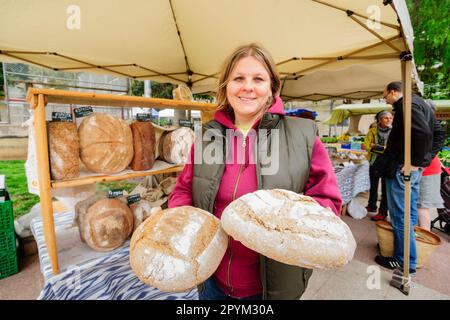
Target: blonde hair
251,50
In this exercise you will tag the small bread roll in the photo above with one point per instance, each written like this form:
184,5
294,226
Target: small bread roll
176,249
290,228
141,211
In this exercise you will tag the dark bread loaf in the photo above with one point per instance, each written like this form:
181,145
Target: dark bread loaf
144,145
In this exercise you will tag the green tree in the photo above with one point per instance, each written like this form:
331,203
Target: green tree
431,23
160,90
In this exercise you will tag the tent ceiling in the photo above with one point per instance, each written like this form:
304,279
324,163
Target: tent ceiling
323,48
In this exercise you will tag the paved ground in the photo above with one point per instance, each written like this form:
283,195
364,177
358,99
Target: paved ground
360,279
364,279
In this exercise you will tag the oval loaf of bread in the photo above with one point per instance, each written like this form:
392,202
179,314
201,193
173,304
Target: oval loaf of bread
176,249
64,149
290,228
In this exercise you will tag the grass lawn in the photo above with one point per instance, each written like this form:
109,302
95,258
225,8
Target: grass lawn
16,184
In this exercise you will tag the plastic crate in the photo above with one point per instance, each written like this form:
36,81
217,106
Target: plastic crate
6,214
8,264
7,240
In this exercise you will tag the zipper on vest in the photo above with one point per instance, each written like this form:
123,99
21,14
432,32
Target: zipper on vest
229,238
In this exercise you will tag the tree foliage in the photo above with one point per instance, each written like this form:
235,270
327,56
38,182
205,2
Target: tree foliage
160,90
431,23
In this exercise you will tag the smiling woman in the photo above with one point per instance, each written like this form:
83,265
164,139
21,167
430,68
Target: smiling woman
248,84
268,150
248,90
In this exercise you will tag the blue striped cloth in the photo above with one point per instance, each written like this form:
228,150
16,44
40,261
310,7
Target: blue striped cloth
106,278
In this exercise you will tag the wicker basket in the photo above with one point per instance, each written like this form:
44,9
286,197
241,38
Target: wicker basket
426,242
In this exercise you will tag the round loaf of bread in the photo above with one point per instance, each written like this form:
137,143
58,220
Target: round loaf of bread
64,150
174,146
176,249
107,224
106,143
290,228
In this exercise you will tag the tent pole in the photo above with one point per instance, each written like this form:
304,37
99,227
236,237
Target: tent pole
401,281
406,68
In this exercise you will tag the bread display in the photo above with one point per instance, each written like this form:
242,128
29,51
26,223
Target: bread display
176,249
144,145
104,224
174,146
64,149
290,228
106,143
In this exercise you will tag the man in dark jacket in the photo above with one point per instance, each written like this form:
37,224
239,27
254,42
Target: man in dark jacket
427,138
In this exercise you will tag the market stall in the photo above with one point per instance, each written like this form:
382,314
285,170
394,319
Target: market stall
357,47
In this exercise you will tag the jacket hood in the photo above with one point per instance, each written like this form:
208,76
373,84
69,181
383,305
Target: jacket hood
226,119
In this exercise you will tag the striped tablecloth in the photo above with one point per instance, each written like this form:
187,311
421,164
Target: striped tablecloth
352,180
86,274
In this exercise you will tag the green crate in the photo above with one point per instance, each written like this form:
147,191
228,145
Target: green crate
7,240
6,214
8,264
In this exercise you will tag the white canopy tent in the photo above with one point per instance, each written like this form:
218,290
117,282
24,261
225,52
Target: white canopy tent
344,111
324,49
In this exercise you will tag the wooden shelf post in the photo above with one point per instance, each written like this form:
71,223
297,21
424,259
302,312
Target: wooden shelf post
44,181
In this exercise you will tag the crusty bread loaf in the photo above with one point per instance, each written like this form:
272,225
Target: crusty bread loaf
64,149
176,249
290,228
144,145
141,211
104,224
174,146
106,143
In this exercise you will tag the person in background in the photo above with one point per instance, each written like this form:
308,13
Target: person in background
375,143
249,104
430,185
427,138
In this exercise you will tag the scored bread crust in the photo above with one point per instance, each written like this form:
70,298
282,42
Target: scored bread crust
107,224
106,143
290,228
176,249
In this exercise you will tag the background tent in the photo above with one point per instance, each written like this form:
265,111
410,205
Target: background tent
344,111
324,49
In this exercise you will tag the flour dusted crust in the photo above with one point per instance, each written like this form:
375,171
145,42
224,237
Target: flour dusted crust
290,228
104,224
176,249
176,145
106,143
144,145
64,149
